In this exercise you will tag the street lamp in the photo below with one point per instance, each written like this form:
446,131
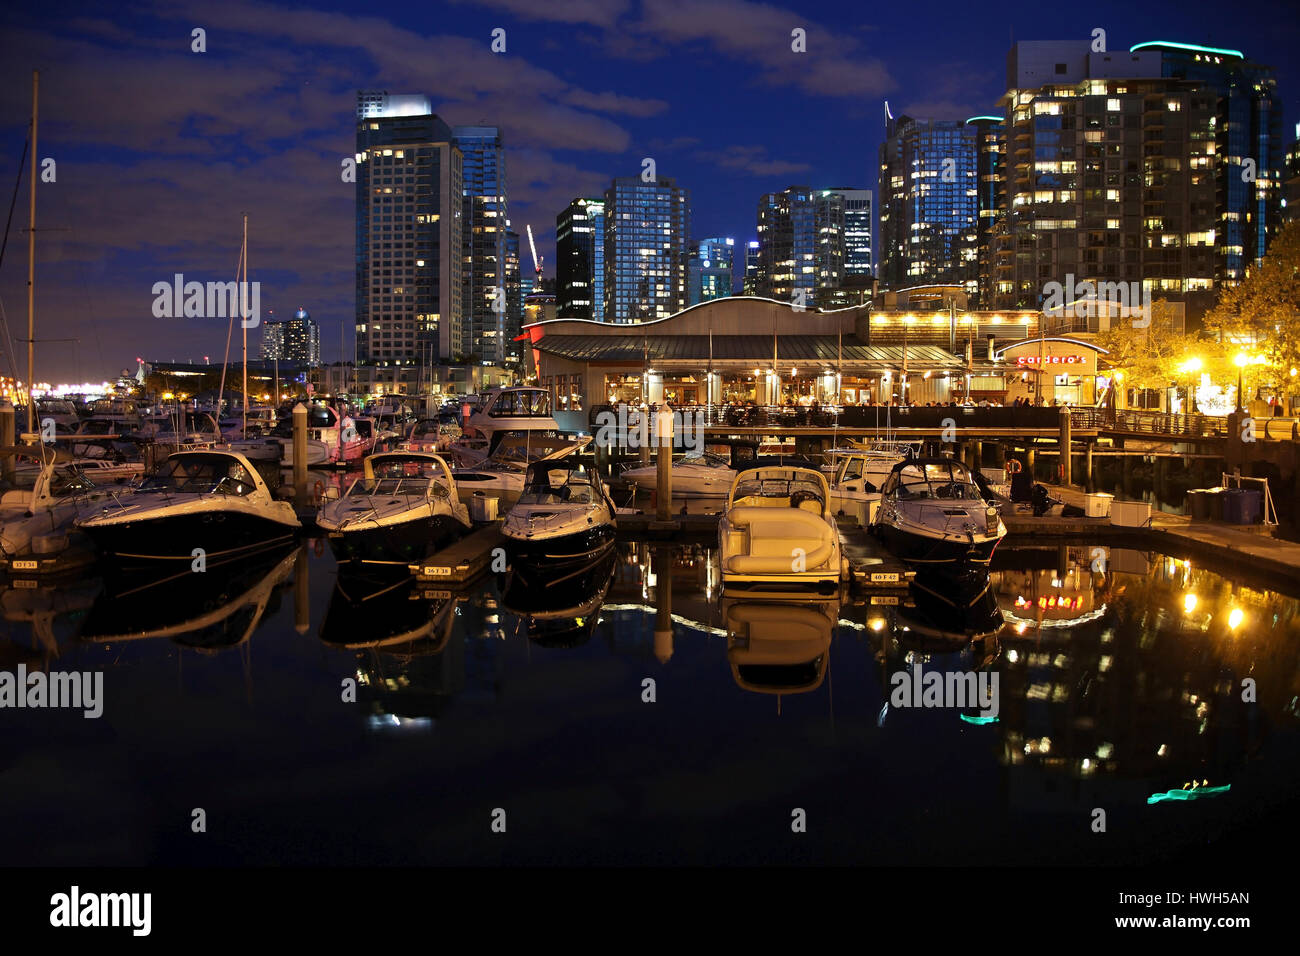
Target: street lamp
1192,366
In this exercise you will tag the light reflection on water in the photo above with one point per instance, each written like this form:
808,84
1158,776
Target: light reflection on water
639,714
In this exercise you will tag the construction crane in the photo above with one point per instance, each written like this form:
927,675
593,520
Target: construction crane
537,262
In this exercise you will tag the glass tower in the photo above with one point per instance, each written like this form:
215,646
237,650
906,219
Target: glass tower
709,271
646,229
801,234
408,233
580,260
485,242
928,203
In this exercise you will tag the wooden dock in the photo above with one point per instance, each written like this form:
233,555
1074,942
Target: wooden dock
462,560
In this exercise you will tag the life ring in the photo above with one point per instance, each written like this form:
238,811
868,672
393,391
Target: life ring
1013,466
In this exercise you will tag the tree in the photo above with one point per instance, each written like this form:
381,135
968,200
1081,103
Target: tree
1155,356
1261,314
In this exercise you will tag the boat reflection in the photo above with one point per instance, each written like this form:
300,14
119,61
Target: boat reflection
409,662
951,606
207,611
564,614
779,648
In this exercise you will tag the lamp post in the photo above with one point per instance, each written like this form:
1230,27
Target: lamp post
1241,360
1192,366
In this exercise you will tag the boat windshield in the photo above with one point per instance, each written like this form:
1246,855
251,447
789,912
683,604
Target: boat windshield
786,488
704,460
412,486
557,487
522,403
68,481
199,475
934,481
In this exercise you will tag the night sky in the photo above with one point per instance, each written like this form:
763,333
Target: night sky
159,150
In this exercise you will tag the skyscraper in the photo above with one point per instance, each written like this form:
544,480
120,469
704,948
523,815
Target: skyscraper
409,208
709,269
753,269
646,229
928,203
295,340
991,203
858,212
1249,159
580,260
515,293
801,248
485,241
1110,174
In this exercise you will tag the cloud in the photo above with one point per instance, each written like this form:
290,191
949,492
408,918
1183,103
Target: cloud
752,160
761,34
615,103
594,12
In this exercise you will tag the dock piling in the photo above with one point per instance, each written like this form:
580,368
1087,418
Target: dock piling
7,437
300,453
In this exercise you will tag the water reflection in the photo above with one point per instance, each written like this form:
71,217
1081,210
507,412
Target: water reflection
1120,678
208,611
778,648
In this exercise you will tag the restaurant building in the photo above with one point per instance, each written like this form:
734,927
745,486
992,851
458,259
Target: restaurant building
744,349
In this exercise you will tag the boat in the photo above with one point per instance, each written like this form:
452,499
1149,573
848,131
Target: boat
694,475
563,521
262,420
877,458
211,500
59,411
503,410
37,530
855,484
778,535
932,512
502,474
779,648
403,506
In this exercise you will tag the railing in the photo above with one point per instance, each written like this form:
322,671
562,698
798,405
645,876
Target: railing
1145,422
1270,513
856,416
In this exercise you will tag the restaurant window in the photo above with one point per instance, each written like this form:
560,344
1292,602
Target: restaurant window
575,393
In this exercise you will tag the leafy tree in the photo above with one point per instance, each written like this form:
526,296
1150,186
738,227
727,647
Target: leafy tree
1261,314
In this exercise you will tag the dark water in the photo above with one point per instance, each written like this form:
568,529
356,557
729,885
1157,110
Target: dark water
225,693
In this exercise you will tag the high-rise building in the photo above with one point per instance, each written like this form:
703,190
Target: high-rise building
991,203
753,269
801,245
1291,180
646,230
709,269
485,242
1249,160
515,292
409,210
580,260
928,203
295,340
858,213
1110,175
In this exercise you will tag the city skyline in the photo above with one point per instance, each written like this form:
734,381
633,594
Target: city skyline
147,187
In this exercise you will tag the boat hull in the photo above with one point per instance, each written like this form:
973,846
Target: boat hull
222,535
399,543
948,550
540,559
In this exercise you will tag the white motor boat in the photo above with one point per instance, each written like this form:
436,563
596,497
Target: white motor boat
37,523
694,475
778,535
211,501
855,485
502,410
932,513
503,473
563,521
403,506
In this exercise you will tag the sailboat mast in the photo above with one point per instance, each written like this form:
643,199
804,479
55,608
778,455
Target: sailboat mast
243,293
31,268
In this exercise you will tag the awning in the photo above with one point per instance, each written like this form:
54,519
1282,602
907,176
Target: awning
755,349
